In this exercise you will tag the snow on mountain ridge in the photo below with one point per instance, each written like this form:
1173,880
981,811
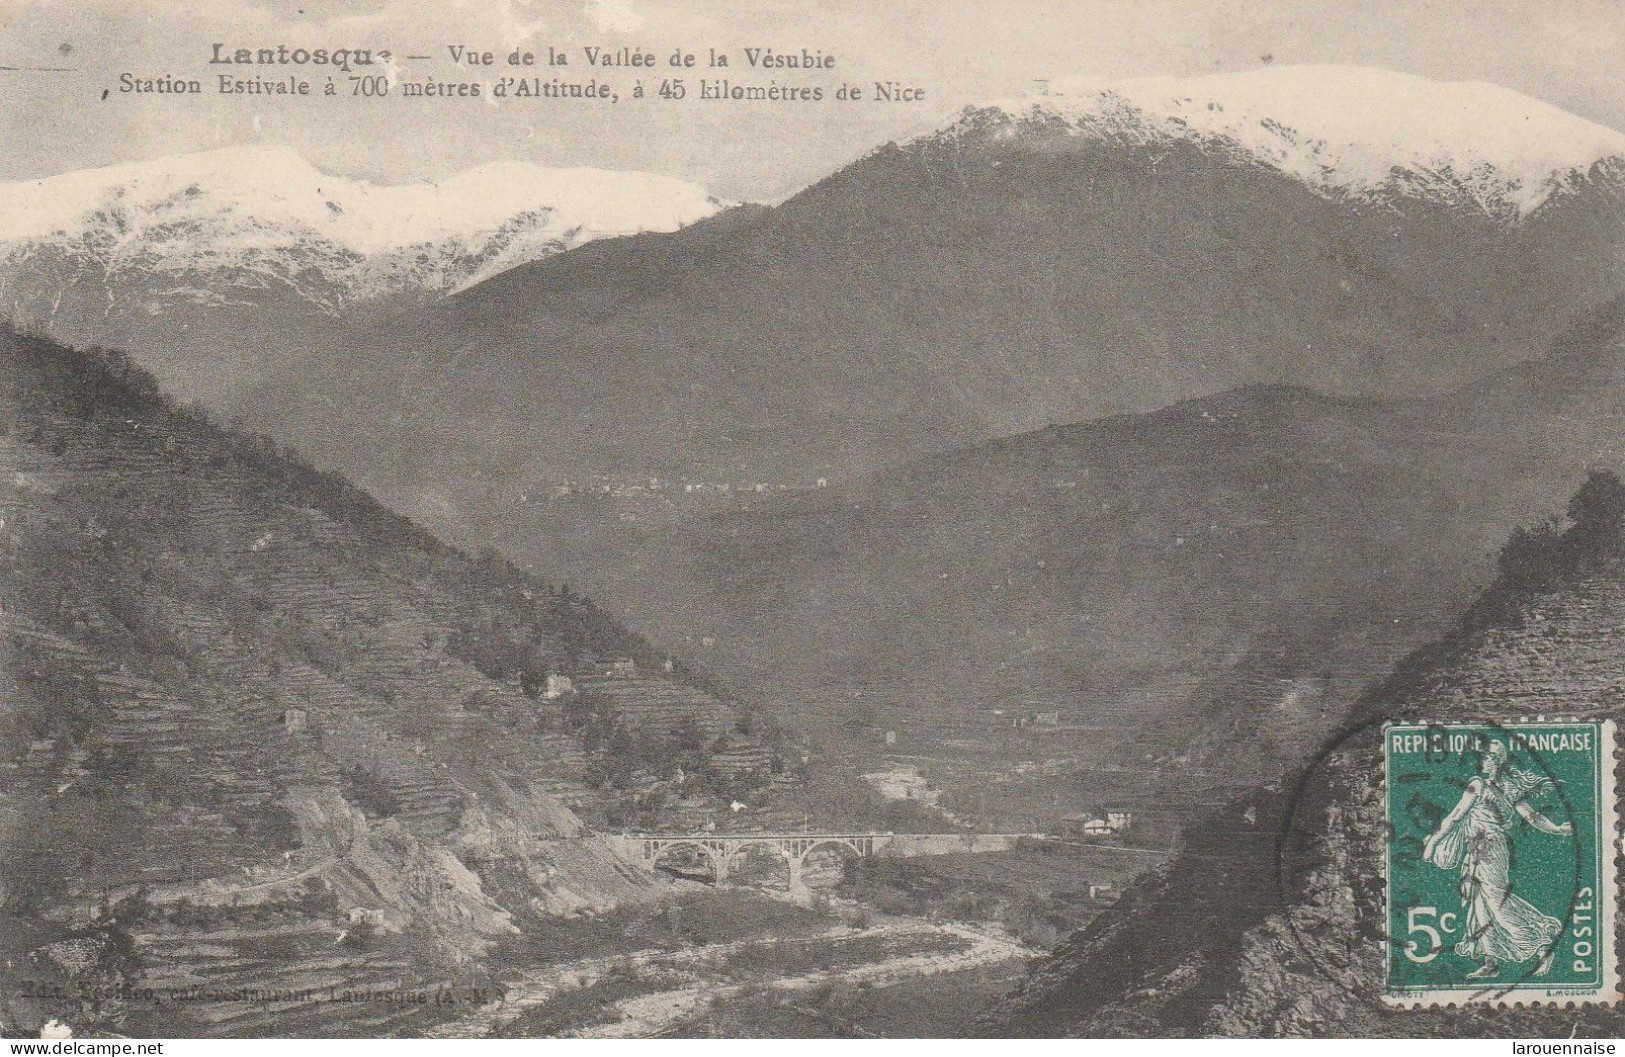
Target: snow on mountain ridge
1344,129
264,197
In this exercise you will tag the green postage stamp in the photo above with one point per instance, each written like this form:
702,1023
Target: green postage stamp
1500,863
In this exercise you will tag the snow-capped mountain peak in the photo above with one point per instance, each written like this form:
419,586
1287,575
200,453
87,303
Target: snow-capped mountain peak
243,227
1343,129
273,191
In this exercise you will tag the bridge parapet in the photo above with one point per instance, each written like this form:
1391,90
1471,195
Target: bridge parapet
647,846
903,845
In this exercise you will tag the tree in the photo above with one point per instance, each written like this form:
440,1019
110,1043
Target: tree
620,757
1534,557
689,741
1545,556
1598,513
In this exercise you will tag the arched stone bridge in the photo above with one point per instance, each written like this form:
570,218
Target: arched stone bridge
720,849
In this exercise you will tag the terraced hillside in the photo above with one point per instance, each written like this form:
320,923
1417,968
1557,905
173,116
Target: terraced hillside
1271,921
259,733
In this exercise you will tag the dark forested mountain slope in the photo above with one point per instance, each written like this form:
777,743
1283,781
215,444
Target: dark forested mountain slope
257,730
1138,559
1027,264
1250,557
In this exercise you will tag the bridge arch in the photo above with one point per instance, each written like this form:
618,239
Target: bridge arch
838,844
822,863
716,862
718,853
765,863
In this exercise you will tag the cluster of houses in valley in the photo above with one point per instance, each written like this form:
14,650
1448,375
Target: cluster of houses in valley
1110,821
905,782
1017,719
651,487
991,722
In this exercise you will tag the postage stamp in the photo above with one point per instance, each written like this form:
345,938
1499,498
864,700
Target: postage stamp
1500,863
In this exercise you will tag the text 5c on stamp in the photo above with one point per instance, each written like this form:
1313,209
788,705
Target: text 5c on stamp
1500,863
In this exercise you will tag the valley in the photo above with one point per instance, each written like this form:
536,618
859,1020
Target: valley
996,455
320,766
553,602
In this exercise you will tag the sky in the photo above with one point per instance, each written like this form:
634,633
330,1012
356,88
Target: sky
57,57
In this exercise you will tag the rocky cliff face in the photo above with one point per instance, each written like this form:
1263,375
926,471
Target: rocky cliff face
1271,921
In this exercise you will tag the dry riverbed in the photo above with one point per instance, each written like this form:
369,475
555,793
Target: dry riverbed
755,981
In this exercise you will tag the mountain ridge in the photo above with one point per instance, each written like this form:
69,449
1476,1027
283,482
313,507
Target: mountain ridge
1263,552
1349,130
252,716
948,288
210,266
270,185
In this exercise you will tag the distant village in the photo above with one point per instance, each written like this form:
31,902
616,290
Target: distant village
667,488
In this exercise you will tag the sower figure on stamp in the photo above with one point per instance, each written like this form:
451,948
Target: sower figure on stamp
1500,926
